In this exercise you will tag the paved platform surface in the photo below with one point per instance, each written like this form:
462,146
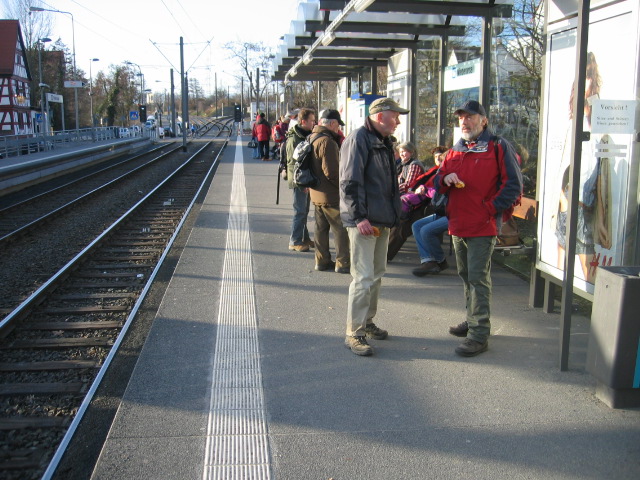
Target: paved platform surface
309,408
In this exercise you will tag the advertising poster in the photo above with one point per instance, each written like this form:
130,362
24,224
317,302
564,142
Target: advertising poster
609,118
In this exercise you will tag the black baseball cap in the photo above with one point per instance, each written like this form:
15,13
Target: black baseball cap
471,107
332,115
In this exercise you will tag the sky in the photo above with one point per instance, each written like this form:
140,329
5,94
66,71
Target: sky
147,32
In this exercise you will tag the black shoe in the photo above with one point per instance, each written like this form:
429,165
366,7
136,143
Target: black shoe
358,345
326,266
372,331
343,269
426,268
459,330
471,348
443,265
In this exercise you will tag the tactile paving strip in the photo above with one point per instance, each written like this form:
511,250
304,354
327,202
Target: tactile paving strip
237,445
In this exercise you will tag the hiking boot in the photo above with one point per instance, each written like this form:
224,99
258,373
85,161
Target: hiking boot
326,266
358,345
426,268
372,331
299,248
443,265
343,269
471,348
459,330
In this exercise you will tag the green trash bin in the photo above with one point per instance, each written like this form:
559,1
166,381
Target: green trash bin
613,355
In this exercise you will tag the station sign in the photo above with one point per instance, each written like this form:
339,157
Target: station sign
461,76
54,98
73,84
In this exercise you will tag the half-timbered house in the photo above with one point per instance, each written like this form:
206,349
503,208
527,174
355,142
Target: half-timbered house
15,82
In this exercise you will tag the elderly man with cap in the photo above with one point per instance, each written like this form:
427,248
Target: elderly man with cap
482,178
369,207
326,196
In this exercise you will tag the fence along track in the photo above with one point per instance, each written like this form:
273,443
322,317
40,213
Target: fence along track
75,322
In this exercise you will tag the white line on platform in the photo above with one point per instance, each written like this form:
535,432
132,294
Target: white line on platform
237,444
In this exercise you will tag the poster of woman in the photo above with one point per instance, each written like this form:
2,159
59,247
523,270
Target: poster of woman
605,159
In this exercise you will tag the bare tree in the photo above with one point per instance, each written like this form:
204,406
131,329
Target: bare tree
34,26
523,35
249,56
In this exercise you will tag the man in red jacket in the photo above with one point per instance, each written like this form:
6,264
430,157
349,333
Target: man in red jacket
262,133
480,188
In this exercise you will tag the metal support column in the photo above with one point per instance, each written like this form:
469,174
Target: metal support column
374,80
173,105
444,47
413,92
183,92
485,77
577,137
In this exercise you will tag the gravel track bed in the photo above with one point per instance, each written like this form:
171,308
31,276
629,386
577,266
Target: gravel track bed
30,262
27,264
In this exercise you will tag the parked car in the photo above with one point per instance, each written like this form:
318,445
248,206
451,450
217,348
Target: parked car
135,131
123,132
168,132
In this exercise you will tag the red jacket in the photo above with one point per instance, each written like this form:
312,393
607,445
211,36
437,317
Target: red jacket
491,185
262,130
279,133
425,179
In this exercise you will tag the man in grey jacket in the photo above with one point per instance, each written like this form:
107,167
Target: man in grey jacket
369,207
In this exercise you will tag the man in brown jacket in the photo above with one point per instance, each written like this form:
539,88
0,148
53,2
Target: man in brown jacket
326,196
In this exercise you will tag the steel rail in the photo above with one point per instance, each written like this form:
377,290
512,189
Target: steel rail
60,209
77,180
66,440
55,461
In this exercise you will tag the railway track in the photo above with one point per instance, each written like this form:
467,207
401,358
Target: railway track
28,214
57,345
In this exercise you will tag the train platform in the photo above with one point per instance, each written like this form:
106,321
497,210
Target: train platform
16,171
245,373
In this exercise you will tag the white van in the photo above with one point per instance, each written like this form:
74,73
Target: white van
124,132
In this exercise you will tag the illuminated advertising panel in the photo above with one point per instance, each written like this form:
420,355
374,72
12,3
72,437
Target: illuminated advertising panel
608,191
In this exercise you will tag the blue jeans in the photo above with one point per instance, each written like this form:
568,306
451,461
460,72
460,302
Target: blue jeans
473,258
301,202
427,233
256,151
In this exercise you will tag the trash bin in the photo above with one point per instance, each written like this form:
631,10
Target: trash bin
613,355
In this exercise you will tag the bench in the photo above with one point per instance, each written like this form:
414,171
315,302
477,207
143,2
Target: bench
527,210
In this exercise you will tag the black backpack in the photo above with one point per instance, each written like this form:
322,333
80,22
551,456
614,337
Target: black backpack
303,175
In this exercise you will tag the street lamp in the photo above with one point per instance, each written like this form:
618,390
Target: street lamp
139,74
73,36
43,126
91,60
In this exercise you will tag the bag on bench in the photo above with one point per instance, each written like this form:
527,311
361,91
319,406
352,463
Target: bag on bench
509,235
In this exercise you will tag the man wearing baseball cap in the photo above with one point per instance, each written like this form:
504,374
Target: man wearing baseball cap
369,207
482,178
326,197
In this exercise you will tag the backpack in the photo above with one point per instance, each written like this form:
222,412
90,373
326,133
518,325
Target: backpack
439,204
277,134
507,213
509,235
303,175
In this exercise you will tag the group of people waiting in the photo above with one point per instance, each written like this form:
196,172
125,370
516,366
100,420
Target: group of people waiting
371,203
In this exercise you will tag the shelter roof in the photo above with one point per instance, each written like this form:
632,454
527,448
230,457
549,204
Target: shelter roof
331,39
